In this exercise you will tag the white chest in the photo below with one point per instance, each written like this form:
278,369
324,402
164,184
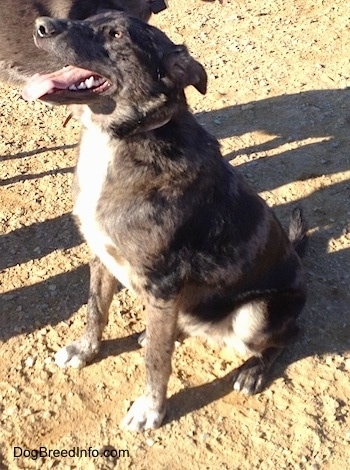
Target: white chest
95,156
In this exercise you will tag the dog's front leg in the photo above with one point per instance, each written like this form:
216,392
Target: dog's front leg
84,349
148,411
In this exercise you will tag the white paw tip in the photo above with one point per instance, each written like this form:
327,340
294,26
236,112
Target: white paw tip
63,359
141,417
237,387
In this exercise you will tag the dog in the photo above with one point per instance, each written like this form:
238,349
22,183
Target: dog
20,59
163,212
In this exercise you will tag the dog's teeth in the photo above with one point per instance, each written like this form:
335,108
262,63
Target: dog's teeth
99,81
90,82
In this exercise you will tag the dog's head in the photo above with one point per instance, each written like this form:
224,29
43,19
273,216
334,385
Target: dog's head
116,64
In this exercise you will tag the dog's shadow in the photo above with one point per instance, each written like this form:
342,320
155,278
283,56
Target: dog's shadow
308,135
195,398
116,347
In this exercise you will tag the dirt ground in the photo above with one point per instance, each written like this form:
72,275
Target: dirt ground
279,102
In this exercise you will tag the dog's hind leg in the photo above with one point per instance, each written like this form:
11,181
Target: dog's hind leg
264,331
84,349
148,411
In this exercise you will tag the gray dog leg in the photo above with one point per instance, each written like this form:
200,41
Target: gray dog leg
148,411
84,349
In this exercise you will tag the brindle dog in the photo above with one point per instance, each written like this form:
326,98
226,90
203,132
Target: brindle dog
164,213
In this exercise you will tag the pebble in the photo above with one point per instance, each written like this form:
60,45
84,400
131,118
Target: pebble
329,360
30,361
19,329
11,410
44,375
8,297
247,107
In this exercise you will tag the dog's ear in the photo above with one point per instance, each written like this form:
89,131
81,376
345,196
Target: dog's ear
183,70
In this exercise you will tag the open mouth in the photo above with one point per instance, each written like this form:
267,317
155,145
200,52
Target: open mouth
69,80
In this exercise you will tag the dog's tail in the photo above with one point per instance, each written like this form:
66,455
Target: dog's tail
298,231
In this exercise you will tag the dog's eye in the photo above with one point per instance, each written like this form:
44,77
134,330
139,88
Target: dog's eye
116,34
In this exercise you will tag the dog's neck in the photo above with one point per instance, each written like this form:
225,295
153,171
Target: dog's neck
153,126
122,121
151,115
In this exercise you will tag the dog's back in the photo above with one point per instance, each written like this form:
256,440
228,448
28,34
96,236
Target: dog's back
19,58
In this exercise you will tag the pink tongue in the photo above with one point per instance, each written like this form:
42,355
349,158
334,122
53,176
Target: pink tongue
41,84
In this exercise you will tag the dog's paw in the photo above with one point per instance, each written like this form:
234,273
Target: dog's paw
76,354
250,377
143,415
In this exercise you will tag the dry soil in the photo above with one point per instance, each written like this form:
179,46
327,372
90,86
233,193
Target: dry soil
279,102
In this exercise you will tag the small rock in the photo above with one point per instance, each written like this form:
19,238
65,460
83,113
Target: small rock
329,360
247,107
30,361
11,410
8,297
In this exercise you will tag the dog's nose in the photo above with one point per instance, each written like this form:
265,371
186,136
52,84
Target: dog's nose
46,27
